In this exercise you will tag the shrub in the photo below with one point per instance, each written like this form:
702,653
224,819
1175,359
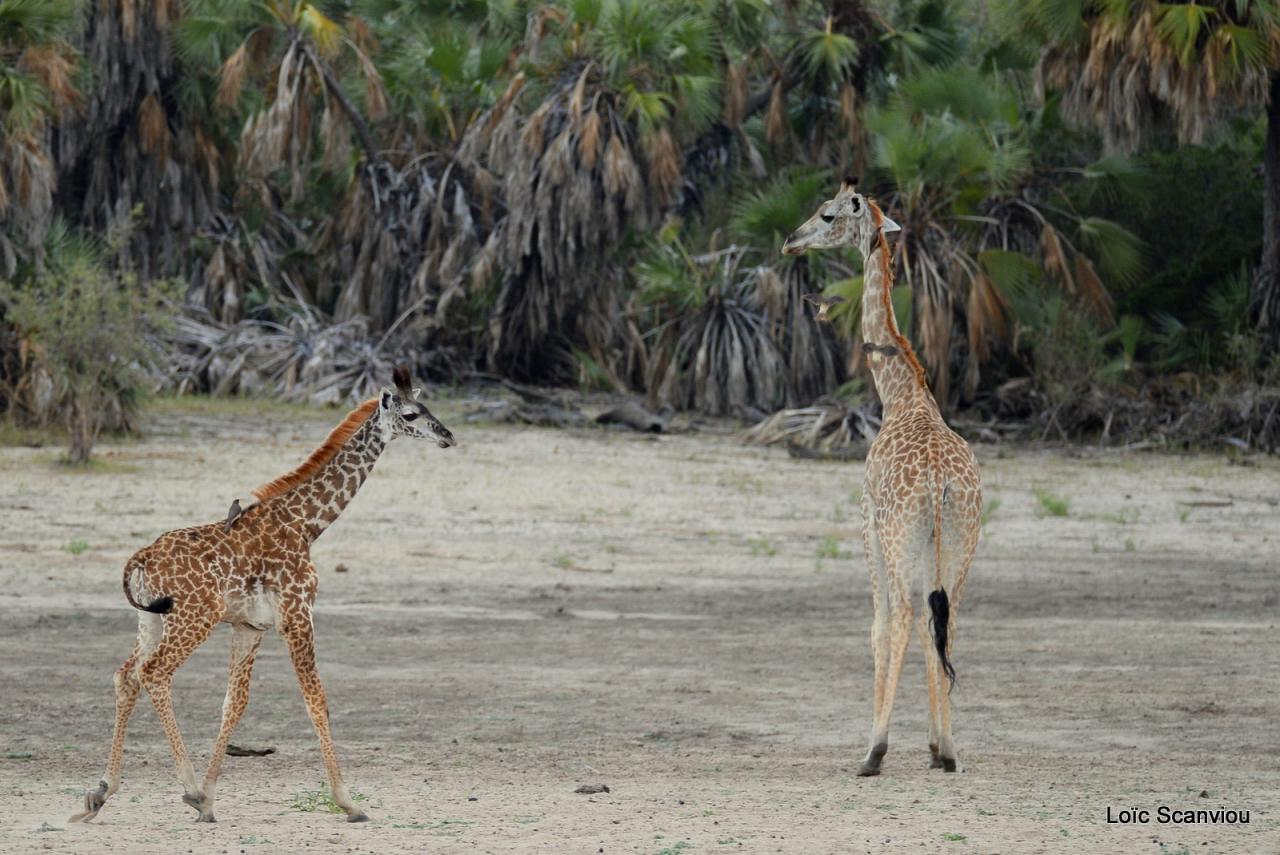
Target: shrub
89,329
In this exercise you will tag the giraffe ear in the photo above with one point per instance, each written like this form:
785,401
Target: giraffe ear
890,226
416,392
385,403
400,377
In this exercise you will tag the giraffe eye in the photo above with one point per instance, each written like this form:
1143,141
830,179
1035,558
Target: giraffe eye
408,417
828,218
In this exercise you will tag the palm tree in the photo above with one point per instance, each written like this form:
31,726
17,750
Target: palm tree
37,69
1131,67
979,220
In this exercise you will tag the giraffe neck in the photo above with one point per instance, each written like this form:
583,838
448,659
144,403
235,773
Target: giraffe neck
897,381
321,499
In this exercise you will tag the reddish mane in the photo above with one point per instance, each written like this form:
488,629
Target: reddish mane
322,455
899,338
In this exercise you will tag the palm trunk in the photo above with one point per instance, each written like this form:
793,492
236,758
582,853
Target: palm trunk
372,153
1266,285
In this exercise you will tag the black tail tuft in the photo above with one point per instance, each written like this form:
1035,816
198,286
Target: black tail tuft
941,620
164,605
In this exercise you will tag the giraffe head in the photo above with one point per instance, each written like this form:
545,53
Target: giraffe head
401,414
850,219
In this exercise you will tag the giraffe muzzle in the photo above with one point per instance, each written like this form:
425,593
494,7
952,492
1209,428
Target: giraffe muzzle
444,438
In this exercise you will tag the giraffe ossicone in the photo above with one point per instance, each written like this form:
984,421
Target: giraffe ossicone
252,571
922,495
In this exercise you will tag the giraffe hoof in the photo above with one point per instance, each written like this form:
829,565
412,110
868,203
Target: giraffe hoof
205,816
358,816
936,763
871,766
93,802
948,764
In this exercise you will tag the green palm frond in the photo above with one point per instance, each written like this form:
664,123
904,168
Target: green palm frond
764,216
1119,252
37,21
1228,303
698,96
1011,272
824,54
635,33
23,101
1060,20
929,37
1180,24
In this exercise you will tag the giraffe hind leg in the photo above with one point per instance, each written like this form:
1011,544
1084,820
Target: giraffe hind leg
960,528
128,685
185,630
931,682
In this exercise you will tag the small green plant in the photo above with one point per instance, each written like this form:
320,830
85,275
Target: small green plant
309,801
829,548
1184,515
1052,505
953,837
676,849
563,560
989,510
761,546
75,547
1129,545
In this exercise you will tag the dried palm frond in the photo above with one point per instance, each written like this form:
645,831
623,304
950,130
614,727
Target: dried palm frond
827,425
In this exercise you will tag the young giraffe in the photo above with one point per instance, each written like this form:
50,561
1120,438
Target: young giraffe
921,497
251,574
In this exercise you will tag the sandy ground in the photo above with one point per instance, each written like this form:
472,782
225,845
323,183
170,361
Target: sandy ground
682,618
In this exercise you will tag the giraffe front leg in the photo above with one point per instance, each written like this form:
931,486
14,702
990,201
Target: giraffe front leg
879,629
244,647
296,627
893,621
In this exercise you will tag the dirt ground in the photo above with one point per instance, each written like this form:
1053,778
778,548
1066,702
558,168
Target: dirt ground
682,618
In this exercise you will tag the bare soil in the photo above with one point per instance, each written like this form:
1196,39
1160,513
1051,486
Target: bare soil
682,618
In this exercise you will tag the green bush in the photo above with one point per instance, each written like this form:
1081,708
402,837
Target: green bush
90,328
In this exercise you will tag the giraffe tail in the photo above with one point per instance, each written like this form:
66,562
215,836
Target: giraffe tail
159,606
940,619
939,604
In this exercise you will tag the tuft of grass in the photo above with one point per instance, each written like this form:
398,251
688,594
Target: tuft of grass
563,560
989,510
1184,514
75,547
20,755
1122,517
309,801
952,836
829,548
1051,505
676,849
1129,545
761,546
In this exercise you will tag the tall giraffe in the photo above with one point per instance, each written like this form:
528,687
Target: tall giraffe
252,574
921,496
